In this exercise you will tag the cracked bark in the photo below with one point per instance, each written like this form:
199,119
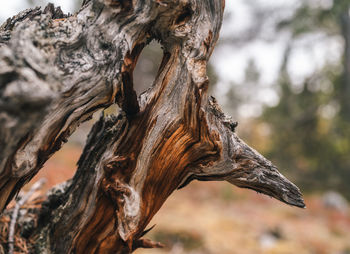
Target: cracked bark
55,71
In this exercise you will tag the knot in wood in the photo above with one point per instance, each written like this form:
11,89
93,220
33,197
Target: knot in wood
115,164
229,123
116,190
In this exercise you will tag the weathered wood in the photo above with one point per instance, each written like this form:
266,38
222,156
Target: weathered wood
54,73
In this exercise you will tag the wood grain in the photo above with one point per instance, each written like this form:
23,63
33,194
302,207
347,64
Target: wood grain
57,70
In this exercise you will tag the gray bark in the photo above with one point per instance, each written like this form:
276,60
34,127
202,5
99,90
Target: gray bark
55,71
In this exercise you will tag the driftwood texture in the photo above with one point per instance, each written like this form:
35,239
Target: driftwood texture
56,71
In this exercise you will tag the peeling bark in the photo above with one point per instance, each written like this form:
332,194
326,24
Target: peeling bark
56,71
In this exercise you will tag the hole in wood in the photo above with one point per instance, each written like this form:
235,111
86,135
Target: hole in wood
147,67
185,16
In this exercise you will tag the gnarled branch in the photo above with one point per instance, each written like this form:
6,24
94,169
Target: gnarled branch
172,134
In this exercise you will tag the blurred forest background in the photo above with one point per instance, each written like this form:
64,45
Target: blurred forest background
282,70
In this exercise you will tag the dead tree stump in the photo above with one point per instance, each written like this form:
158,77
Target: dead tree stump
57,70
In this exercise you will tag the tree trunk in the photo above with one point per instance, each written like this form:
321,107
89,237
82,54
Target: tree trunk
55,71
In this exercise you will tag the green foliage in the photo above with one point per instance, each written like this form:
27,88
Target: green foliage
310,130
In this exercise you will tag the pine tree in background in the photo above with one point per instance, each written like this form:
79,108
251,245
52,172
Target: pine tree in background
311,127
308,131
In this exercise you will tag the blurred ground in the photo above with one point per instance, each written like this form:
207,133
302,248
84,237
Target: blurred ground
215,218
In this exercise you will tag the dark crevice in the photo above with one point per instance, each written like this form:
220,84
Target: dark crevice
185,16
7,78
